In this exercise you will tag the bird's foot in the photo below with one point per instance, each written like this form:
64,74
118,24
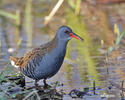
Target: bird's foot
45,84
36,84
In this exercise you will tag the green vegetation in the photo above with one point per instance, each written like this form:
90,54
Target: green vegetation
119,37
16,16
28,22
84,49
69,70
75,5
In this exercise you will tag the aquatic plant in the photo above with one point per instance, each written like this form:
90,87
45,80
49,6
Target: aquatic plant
119,37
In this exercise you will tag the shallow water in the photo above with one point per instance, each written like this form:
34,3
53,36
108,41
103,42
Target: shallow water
85,63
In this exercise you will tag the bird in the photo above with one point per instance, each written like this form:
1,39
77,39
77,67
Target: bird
44,61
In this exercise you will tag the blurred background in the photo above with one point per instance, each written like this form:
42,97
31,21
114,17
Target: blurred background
25,24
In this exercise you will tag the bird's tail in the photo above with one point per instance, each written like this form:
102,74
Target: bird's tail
14,60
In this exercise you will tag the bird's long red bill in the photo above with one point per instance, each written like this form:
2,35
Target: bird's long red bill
73,35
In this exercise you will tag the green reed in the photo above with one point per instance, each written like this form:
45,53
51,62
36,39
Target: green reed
15,17
75,5
28,22
119,37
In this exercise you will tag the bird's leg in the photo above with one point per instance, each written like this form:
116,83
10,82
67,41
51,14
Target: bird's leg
36,84
45,84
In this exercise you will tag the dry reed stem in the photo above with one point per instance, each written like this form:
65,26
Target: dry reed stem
52,13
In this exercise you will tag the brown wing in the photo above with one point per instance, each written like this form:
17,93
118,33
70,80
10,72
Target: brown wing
22,62
42,50
15,59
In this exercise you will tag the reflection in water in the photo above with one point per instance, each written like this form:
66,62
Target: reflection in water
4,40
86,65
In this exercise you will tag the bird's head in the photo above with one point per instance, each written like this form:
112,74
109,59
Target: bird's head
65,33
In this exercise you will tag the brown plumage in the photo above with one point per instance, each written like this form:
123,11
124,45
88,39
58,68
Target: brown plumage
42,50
23,61
15,59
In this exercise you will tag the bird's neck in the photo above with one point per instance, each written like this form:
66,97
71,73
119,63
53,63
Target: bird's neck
60,44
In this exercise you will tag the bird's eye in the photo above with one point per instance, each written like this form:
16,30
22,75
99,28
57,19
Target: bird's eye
66,31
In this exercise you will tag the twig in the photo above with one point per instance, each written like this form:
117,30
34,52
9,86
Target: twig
94,87
122,94
107,60
32,93
52,13
117,86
